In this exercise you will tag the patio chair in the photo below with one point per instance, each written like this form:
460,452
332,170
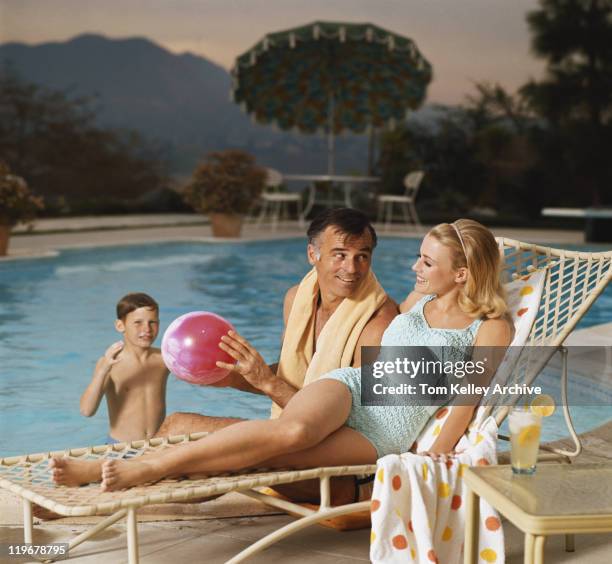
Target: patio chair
412,183
275,204
572,281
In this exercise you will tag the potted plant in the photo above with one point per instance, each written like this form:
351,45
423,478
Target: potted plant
17,204
224,186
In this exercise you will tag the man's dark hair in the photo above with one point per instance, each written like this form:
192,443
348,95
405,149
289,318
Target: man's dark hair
348,221
131,302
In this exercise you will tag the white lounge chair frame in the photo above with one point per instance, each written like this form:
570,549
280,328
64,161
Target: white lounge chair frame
28,477
573,282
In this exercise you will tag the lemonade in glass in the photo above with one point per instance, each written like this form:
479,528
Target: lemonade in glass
525,429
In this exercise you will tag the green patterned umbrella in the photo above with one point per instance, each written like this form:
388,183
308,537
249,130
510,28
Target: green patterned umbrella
332,77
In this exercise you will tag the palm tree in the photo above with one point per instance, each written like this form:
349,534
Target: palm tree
575,36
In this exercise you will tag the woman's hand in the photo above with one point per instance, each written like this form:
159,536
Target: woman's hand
441,456
249,363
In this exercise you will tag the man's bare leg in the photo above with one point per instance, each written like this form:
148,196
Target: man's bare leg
309,491
183,423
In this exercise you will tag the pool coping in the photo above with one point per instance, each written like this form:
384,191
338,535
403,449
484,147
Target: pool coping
49,237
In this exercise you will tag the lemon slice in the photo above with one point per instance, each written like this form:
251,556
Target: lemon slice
529,434
543,405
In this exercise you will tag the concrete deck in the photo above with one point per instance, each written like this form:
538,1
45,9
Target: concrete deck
213,532
49,235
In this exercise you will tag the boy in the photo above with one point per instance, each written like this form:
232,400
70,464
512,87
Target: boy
131,374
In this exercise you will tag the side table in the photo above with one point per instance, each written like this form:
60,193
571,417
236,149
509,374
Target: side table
557,499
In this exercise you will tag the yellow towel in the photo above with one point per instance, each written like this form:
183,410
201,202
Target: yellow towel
299,363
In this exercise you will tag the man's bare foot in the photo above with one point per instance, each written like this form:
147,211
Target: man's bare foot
75,472
121,474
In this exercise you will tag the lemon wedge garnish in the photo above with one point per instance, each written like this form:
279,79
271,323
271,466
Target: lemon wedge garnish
529,434
543,405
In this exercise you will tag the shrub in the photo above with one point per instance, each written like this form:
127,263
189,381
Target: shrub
226,182
17,203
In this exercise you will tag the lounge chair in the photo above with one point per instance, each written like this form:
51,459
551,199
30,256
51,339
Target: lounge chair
572,282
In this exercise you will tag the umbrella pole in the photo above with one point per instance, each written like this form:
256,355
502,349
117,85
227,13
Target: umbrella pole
330,136
371,149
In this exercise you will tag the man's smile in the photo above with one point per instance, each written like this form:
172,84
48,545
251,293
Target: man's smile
347,280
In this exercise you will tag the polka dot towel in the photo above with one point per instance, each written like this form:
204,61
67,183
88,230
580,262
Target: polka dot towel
418,509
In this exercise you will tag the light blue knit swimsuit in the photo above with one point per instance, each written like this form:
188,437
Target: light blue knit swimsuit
393,429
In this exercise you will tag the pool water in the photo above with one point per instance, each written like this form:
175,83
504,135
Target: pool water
57,316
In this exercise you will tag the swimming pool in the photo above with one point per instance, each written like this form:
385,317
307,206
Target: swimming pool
57,315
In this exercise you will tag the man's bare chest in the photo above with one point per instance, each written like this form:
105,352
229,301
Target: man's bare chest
321,318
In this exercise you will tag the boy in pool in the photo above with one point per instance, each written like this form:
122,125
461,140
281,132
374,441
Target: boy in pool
131,374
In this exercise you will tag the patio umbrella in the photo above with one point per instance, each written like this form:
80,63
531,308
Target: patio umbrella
332,77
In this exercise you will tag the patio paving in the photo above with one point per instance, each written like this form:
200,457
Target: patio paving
49,235
214,531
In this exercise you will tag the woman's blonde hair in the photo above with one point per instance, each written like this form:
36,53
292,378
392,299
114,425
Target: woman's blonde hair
473,246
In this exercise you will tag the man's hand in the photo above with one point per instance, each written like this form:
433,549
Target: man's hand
249,363
110,356
232,380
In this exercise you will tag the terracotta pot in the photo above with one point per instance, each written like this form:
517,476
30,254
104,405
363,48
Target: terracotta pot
5,234
225,224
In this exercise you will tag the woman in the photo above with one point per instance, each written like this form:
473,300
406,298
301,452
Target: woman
457,301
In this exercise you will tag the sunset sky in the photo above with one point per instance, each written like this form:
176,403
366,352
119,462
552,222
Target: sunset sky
465,40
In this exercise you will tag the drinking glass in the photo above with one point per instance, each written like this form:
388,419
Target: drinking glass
525,429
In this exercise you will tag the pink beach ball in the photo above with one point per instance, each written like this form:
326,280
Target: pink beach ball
190,347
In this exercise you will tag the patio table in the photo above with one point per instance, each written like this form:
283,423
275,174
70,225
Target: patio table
347,183
598,224
557,499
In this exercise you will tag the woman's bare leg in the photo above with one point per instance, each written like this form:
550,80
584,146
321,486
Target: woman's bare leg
74,472
344,447
312,414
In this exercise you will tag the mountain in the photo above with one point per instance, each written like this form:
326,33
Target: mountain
180,101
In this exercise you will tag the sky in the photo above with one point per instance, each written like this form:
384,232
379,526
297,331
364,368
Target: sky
466,41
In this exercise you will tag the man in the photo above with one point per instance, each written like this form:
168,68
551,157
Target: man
336,309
